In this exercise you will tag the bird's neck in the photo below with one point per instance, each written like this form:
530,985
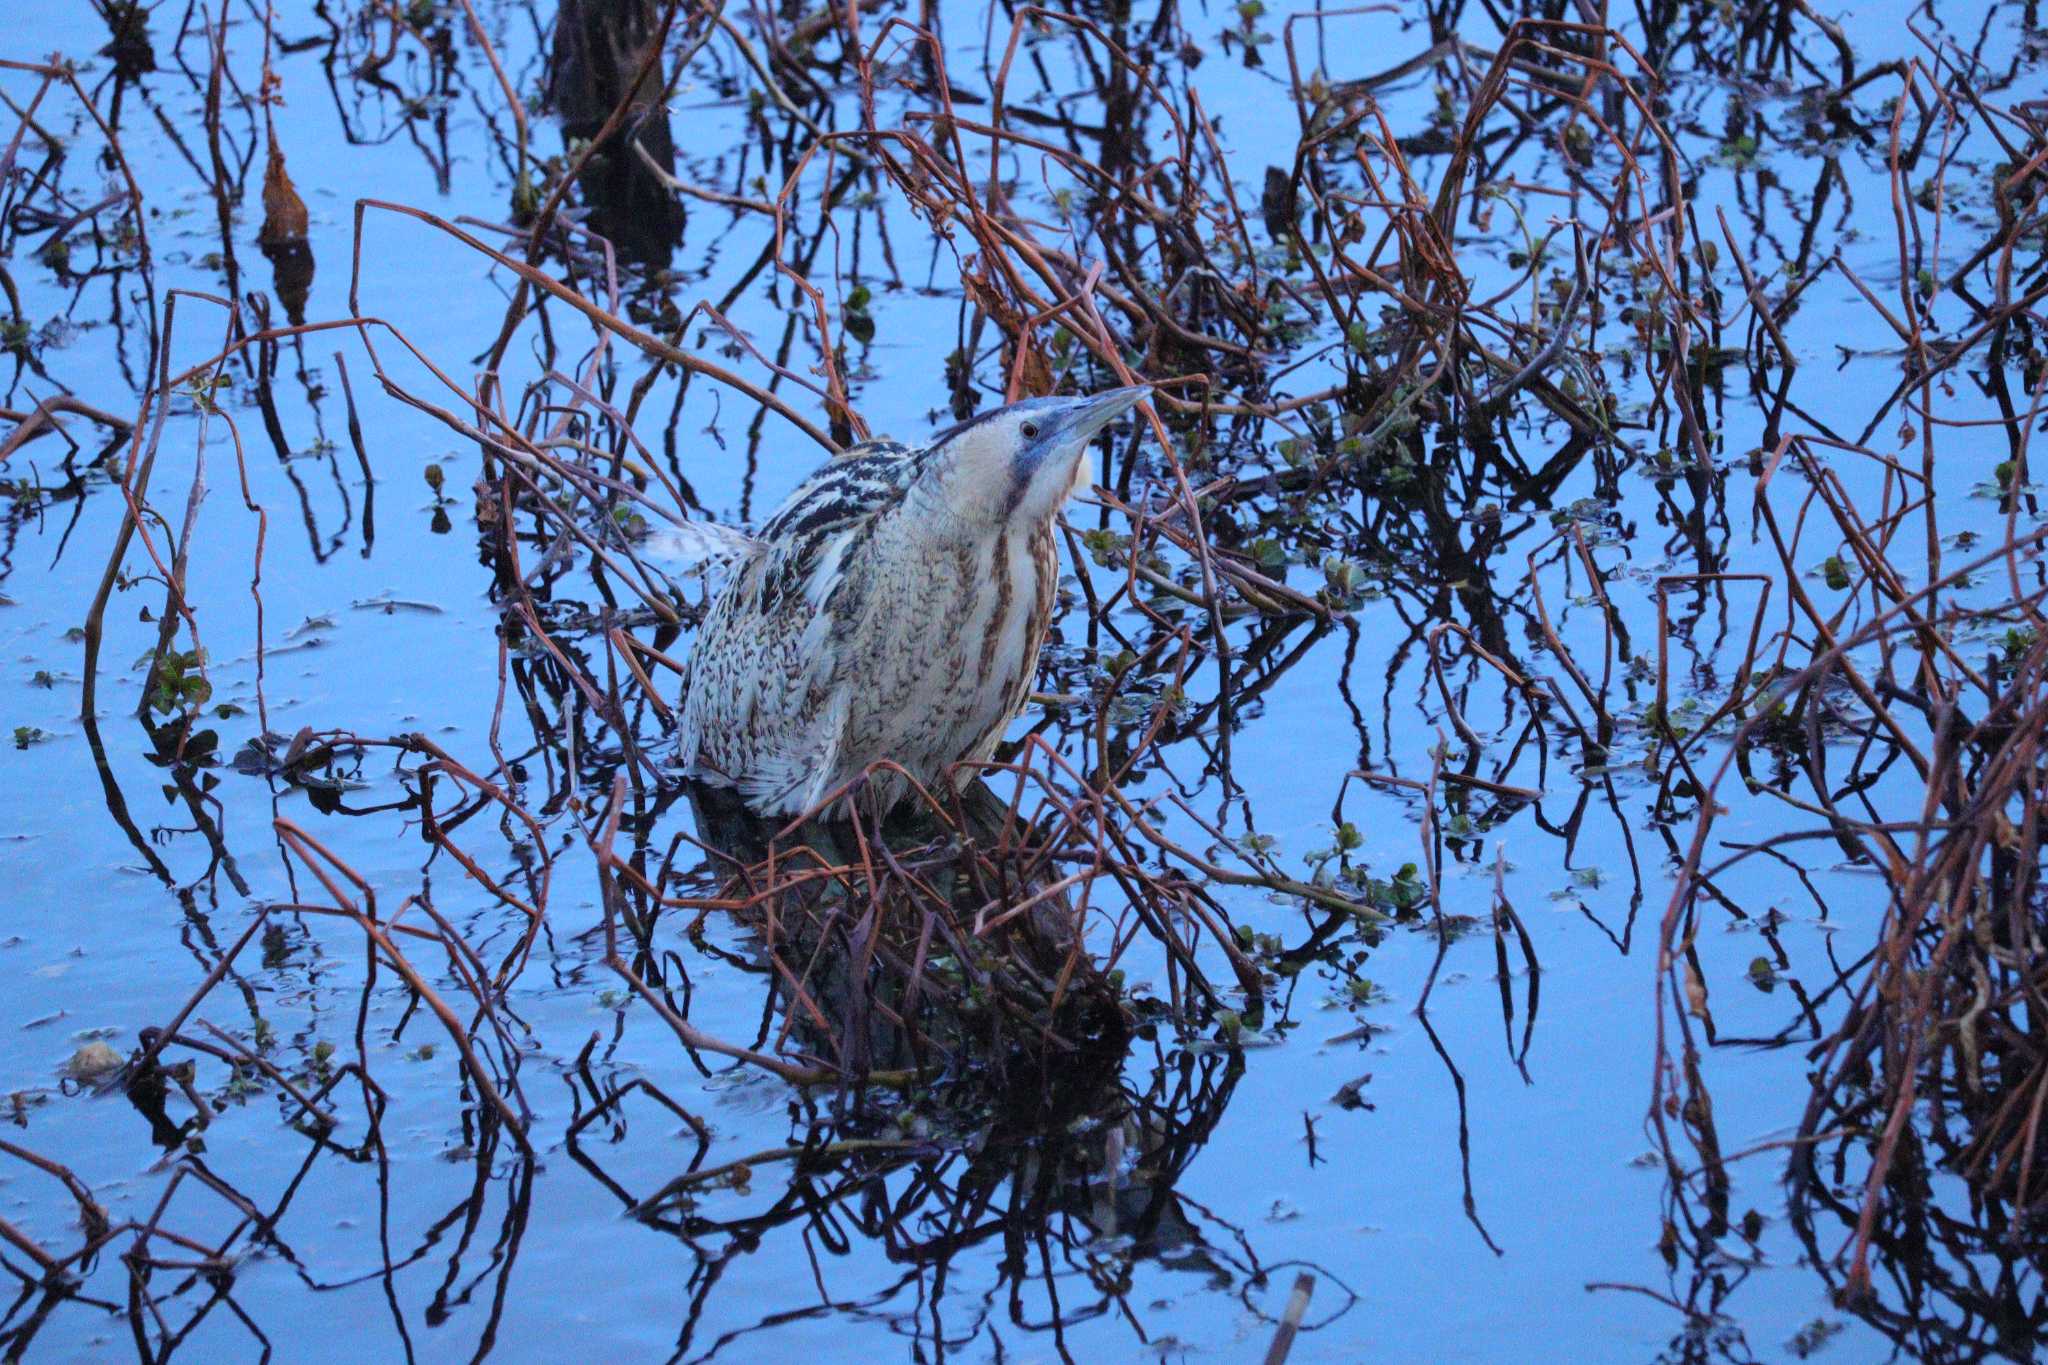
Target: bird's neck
978,521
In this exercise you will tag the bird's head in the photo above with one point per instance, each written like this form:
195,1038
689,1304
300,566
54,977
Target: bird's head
1016,465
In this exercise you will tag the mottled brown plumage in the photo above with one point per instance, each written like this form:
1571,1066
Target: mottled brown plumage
893,608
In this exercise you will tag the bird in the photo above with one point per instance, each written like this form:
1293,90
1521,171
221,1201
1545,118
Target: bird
892,608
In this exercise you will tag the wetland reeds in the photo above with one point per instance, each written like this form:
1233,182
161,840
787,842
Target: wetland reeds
1376,374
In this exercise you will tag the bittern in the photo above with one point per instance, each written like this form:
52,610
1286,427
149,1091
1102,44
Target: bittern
892,608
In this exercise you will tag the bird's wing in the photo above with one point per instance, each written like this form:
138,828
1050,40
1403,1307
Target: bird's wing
895,450
775,719
828,515
793,778
685,546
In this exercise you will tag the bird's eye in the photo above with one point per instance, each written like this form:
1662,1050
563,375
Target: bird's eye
1030,429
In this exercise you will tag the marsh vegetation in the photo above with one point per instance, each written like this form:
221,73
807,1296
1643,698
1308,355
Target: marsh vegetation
1534,789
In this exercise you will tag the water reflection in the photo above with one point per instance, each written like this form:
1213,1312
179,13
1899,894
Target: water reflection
1068,1184
607,57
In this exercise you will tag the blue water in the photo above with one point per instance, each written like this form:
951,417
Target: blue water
443,1252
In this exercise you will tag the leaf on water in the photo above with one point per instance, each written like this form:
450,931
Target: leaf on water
388,604
284,213
92,1062
1696,993
1350,1095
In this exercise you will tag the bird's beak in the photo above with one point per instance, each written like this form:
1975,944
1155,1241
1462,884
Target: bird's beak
1077,421
1091,415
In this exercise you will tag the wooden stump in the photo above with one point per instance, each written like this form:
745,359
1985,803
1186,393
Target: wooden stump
916,944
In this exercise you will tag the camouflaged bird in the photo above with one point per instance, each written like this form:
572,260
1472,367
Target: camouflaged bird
892,608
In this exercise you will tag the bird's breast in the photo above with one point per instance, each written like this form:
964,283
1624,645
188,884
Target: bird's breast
956,642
